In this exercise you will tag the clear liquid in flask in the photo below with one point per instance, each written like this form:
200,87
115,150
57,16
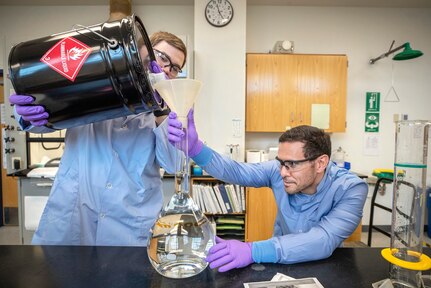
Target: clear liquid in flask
180,240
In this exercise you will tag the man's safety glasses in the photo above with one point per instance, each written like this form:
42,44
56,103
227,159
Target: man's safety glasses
294,165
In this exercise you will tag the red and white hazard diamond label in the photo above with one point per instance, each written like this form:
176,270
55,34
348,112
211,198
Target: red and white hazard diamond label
67,57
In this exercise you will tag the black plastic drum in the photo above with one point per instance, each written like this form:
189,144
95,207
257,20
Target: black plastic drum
88,74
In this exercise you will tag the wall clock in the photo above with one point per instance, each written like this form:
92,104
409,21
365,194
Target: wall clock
219,13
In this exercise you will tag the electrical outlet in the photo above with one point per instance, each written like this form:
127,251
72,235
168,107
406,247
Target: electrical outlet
16,163
401,117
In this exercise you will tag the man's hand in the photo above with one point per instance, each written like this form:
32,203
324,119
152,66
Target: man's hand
35,114
176,134
229,254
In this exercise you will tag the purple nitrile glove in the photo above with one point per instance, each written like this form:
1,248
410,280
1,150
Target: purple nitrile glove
229,254
35,114
176,134
155,68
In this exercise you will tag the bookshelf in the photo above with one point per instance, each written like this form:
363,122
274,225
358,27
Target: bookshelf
223,203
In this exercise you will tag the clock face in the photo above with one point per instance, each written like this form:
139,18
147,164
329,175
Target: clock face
219,12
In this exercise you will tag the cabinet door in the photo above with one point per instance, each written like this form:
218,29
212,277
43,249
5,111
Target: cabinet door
322,80
282,89
271,93
260,216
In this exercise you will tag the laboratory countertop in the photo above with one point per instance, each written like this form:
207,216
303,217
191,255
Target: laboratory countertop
85,266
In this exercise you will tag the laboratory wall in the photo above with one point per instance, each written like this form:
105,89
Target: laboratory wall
220,65
360,33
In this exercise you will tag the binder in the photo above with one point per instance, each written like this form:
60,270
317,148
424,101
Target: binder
199,197
204,201
243,198
231,192
195,197
225,198
214,200
220,199
238,196
208,200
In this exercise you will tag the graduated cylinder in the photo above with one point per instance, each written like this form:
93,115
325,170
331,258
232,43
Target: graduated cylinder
409,202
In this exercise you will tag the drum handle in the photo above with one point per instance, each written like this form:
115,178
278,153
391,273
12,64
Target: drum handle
112,43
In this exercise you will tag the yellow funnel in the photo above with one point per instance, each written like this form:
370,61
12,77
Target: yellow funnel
180,95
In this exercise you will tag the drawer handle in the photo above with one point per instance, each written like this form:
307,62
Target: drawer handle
44,184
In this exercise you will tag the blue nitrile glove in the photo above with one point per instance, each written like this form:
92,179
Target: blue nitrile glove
35,114
158,75
229,254
176,133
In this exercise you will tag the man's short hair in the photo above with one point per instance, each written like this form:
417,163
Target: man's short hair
316,141
171,39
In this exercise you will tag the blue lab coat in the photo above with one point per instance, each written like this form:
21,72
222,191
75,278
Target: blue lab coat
107,190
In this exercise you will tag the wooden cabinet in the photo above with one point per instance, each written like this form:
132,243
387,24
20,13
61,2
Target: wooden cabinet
261,210
283,90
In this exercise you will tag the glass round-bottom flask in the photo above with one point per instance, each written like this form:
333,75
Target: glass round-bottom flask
180,239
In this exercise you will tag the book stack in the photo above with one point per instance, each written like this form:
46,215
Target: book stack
219,198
